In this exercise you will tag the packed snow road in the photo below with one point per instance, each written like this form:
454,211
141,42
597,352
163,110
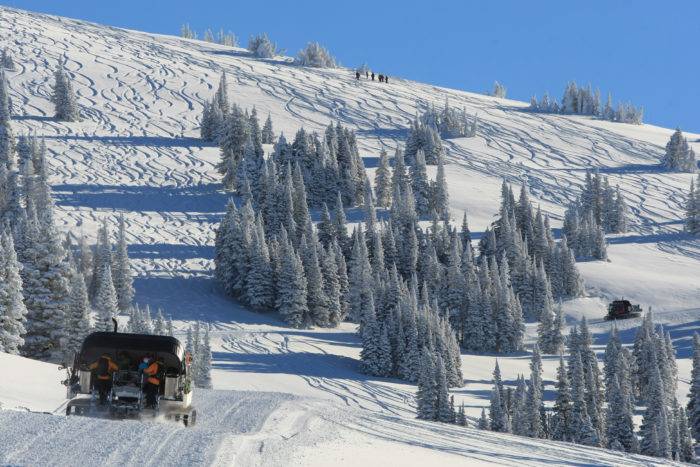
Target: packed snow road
40,439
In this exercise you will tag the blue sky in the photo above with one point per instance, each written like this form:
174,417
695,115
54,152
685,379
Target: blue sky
644,52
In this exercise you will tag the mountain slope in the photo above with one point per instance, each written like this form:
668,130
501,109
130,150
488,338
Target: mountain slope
137,152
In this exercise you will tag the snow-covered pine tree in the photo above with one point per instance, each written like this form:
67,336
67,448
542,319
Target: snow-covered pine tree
445,411
519,412
693,407
618,421
159,326
234,136
102,256
267,133
498,412
360,279
6,61
426,396
461,417
535,395
440,197
169,327
687,450
382,180
420,185
332,286
483,423
654,431
220,99
121,270
63,96
562,421
291,288
679,156
12,309
260,291
315,291
106,303
78,317
583,429
7,139
5,100
204,361
46,287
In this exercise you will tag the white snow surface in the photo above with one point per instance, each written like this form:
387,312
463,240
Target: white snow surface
296,397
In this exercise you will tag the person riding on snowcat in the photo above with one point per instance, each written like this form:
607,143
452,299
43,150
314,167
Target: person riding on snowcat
163,387
623,309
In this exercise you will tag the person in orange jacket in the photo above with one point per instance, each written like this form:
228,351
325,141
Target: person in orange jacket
103,367
152,374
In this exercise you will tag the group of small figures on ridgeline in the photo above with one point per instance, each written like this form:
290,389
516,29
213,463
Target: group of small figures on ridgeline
370,74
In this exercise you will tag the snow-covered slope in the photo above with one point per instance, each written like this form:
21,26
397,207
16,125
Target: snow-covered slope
264,428
136,152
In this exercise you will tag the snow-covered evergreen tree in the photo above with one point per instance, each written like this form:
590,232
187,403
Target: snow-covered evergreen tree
382,180
46,279
159,325
267,133
78,316
679,156
121,270
693,407
655,429
420,185
440,196
692,208
291,290
619,416
562,421
106,303
498,412
7,139
63,96
426,396
483,423
12,309
204,361
6,61
583,429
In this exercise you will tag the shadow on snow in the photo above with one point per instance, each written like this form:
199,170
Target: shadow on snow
196,199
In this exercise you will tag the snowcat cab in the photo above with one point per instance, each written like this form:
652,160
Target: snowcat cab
126,397
623,309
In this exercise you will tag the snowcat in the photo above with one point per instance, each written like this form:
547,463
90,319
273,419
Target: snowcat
622,309
127,397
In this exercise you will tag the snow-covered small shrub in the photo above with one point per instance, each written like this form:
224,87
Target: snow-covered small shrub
261,46
499,90
315,55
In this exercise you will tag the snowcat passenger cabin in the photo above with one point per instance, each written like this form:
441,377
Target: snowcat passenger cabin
127,351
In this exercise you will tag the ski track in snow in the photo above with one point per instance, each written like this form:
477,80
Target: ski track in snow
137,152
